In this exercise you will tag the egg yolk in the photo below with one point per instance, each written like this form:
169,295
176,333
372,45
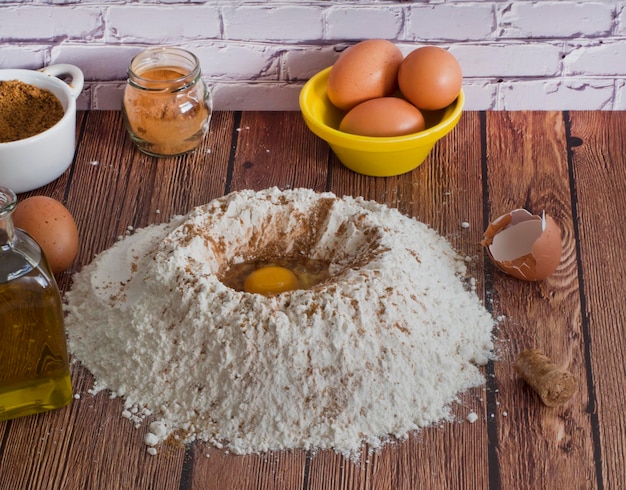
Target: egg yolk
270,280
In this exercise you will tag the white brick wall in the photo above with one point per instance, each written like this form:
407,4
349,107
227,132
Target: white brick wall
518,54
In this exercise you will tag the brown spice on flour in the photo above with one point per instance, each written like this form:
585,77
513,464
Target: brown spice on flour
26,110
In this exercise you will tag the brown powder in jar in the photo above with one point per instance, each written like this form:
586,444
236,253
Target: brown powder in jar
26,110
168,121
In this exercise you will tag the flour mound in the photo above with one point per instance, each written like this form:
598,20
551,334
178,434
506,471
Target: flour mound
380,349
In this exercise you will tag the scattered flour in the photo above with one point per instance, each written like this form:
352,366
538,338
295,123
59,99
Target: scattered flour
472,417
382,348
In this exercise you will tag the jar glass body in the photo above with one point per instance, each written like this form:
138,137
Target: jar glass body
167,106
34,367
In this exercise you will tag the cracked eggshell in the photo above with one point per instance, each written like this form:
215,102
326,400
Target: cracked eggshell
524,245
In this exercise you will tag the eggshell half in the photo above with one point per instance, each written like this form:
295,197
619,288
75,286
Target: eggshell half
367,70
524,245
52,226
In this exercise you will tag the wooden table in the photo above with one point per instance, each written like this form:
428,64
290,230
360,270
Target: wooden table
570,164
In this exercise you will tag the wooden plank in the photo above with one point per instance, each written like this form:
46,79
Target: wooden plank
217,469
113,186
444,192
133,189
109,184
124,187
270,151
537,446
517,442
598,167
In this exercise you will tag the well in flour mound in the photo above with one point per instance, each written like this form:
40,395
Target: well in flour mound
383,347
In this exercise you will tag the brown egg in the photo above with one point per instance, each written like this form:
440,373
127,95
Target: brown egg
384,116
367,70
52,226
430,78
524,245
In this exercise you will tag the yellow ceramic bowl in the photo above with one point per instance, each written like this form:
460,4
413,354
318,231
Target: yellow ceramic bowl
375,156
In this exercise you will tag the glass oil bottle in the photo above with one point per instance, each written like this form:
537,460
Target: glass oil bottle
34,367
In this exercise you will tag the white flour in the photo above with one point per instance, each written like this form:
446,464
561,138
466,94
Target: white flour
381,349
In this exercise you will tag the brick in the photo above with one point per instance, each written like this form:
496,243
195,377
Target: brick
480,95
508,60
167,24
83,102
620,29
107,96
562,54
28,23
273,23
234,61
372,23
605,58
620,95
28,57
450,22
568,94
257,96
555,19
98,62
302,64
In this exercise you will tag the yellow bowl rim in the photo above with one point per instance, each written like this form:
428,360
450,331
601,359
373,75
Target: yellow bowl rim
339,137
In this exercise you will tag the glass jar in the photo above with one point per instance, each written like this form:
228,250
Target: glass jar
167,106
34,367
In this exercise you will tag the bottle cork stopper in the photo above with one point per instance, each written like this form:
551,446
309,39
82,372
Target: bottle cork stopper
555,386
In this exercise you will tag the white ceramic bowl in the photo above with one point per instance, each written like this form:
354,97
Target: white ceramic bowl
30,163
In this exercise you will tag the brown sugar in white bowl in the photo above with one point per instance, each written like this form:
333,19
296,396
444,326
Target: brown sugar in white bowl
34,161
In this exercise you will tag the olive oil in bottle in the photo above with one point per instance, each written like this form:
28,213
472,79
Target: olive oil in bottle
34,367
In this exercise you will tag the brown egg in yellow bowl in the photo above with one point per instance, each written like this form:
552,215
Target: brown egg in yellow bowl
360,108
